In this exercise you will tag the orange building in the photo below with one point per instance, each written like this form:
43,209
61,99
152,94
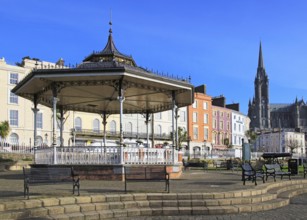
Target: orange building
200,123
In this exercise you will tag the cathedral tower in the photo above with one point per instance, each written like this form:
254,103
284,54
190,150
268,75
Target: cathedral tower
259,107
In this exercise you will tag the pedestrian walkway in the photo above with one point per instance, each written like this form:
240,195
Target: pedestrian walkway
218,183
194,180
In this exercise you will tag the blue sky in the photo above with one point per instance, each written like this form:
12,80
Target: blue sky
215,42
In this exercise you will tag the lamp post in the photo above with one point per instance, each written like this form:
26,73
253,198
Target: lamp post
189,140
46,139
205,146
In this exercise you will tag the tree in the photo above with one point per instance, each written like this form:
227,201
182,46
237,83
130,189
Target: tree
4,129
182,137
251,135
293,145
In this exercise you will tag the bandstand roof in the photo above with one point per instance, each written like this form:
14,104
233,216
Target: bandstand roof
93,85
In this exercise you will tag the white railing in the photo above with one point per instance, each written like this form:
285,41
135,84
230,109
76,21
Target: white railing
106,155
149,156
5,147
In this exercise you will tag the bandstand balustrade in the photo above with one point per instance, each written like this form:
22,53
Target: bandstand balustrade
109,155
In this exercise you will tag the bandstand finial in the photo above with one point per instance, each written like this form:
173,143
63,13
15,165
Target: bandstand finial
110,22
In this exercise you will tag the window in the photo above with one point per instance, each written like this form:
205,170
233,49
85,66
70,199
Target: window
234,126
182,116
158,130
96,125
128,128
158,115
78,124
13,78
214,124
206,133
205,105
39,120
39,140
13,117
221,125
222,114
206,118
194,104
169,115
13,98
113,127
228,125
194,117
195,133
14,139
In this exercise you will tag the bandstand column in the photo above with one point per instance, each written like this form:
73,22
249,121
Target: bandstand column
104,123
176,127
147,119
61,126
121,99
35,110
173,123
54,104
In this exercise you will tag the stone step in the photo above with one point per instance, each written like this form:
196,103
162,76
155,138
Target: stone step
173,211
127,205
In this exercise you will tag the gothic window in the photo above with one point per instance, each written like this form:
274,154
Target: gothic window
113,127
129,128
96,125
78,124
14,139
158,130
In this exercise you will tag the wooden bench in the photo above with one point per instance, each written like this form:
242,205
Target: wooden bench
146,173
249,173
49,175
275,170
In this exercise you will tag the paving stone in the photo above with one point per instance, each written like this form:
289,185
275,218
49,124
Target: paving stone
113,198
71,208
50,202
98,198
87,207
15,205
104,214
55,210
37,212
83,199
92,215
67,200
133,212
120,213
101,206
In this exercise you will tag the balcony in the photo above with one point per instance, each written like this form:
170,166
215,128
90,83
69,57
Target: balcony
89,133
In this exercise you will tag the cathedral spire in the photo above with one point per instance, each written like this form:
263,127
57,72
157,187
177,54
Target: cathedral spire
260,59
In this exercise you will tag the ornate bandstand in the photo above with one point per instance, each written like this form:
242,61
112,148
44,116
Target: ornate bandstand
106,82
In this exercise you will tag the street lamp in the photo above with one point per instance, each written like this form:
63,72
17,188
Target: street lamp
46,139
205,146
189,140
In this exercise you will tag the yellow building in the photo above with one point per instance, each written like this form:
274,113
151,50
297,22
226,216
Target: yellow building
18,112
